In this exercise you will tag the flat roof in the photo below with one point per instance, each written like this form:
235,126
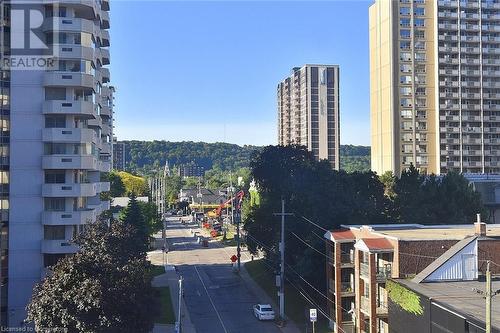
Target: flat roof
460,297
426,232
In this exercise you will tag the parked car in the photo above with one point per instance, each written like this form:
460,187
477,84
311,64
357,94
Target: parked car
263,311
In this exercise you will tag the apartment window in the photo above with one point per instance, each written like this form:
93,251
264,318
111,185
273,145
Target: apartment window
421,102
54,232
55,204
419,22
404,22
85,95
404,33
419,45
419,56
404,11
55,148
405,91
55,94
419,34
420,91
405,68
406,102
405,45
55,177
406,114
405,79
405,56
419,11
4,177
420,79
57,121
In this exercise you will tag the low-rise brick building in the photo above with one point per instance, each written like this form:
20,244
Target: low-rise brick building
362,258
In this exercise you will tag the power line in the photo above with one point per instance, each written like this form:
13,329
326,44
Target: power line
314,224
303,241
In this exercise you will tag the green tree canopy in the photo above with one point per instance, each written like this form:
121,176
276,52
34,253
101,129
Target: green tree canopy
105,287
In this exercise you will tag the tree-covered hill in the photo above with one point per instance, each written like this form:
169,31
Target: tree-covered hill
144,156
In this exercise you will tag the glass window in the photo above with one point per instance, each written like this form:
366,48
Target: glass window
404,10
405,45
55,204
405,91
404,22
405,79
55,94
54,232
419,22
56,121
419,11
405,56
404,33
55,177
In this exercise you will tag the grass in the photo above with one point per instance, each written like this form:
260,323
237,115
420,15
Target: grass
296,307
157,270
166,315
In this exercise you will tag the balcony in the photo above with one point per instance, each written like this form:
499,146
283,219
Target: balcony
364,269
68,218
448,49
103,187
104,55
469,16
105,38
105,5
365,305
447,3
104,166
68,24
69,135
491,73
77,52
106,111
347,288
77,108
68,79
491,50
383,273
105,75
95,122
347,259
78,162
101,207
447,26
382,309
58,247
69,190
105,148
105,20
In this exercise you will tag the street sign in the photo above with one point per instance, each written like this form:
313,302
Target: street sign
313,315
234,258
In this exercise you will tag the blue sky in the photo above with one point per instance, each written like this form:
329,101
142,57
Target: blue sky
208,70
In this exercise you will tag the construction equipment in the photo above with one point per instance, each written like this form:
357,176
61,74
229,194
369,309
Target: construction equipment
218,210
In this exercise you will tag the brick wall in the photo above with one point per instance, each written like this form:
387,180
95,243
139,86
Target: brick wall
413,254
489,249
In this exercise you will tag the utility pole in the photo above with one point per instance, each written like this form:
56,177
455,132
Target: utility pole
281,292
179,310
488,297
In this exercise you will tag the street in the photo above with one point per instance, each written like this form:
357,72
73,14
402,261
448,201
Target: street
217,299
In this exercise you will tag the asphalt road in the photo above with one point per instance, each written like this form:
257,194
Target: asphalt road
217,299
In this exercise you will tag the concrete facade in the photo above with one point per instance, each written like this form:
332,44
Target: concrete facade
60,143
308,111
435,85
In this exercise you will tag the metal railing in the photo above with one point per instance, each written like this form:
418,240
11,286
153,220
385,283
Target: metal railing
347,258
346,286
384,273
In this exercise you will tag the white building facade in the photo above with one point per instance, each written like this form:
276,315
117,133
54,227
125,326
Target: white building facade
59,123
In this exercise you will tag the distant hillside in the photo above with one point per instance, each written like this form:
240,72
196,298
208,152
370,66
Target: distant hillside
354,158
145,156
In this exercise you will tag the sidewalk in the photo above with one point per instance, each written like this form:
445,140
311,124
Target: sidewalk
171,279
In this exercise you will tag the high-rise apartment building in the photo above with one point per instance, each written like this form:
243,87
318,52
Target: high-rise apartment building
118,155
55,142
308,111
435,85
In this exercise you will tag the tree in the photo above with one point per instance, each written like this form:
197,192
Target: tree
132,216
117,189
151,217
105,287
134,184
313,191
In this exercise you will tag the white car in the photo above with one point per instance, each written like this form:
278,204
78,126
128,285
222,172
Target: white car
263,312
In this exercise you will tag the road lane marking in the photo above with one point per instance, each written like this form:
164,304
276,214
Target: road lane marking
210,299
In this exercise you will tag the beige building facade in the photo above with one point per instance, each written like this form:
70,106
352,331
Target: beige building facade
308,111
435,85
